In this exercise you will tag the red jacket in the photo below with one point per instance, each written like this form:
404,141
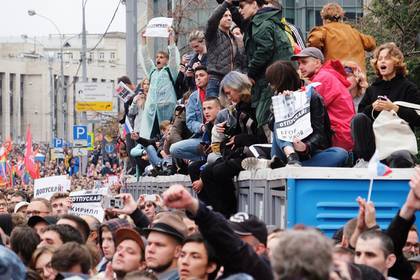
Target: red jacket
338,102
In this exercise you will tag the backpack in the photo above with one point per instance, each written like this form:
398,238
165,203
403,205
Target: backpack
169,73
294,36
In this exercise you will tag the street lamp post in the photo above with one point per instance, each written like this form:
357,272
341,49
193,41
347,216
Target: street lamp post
61,82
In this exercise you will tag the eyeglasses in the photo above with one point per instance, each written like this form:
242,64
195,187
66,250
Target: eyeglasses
348,70
410,245
36,213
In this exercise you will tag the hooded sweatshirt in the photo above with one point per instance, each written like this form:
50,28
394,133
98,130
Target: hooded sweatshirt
338,101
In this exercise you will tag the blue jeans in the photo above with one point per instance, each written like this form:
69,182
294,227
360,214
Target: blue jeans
154,159
186,149
330,157
213,87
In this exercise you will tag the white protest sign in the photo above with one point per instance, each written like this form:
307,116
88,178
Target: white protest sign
292,114
123,92
158,27
46,187
87,203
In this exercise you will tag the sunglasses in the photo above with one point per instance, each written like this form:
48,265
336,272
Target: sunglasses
348,70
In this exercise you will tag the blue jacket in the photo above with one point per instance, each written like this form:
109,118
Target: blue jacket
194,114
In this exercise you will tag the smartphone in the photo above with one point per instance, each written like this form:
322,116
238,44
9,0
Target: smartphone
112,202
382,97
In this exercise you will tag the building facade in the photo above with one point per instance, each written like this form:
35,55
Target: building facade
30,91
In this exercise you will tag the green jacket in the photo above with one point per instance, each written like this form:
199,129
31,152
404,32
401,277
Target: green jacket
266,41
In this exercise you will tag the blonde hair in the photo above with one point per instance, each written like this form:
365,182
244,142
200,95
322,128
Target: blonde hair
237,81
396,55
360,77
332,12
196,35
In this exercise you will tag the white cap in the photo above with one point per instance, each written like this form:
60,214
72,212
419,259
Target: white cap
20,205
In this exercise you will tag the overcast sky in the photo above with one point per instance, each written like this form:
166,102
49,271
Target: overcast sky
66,14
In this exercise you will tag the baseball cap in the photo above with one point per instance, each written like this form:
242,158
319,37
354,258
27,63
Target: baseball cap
20,205
50,220
309,52
128,233
170,224
244,224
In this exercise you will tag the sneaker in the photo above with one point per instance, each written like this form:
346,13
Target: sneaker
293,160
361,163
253,163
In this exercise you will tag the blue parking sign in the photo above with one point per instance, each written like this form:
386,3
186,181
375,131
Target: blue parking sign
58,143
80,135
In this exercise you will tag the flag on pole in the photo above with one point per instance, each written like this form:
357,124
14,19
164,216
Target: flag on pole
376,168
30,163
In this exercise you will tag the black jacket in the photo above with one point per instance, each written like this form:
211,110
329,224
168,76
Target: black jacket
397,89
398,231
235,255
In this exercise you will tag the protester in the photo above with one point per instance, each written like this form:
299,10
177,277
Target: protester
223,48
38,207
333,89
60,203
313,150
41,262
358,81
164,242
57,235
339,40
197,259
391,85
162,76
23,241
235,254
238,122
293,260
266,42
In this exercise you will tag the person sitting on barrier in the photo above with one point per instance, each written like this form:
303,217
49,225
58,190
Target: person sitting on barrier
390,86
161,163
313,150
238,123
240,243
189,149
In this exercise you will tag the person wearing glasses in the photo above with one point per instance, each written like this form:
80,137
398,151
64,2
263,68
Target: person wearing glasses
38,207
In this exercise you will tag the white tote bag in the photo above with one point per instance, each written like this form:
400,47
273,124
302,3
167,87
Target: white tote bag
393,133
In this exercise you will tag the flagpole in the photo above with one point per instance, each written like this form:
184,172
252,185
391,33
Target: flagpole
370,189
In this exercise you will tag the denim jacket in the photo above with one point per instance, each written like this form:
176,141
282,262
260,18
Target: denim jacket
194,114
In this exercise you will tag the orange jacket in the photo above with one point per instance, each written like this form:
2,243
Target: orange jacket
341,41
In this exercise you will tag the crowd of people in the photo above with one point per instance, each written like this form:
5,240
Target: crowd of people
210,115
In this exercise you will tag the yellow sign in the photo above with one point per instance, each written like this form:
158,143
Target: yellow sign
93,106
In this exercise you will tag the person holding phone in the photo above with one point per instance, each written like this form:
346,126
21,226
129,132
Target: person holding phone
391,85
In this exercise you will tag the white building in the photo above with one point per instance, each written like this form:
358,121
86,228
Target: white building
30,75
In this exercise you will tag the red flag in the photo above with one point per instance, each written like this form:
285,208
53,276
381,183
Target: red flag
30,164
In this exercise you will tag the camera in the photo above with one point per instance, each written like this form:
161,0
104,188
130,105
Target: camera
112,202
229,130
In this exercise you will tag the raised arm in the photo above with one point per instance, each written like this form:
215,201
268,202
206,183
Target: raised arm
174,56
145,61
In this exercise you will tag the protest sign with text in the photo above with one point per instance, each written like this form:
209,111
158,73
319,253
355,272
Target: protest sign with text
87,202
124,92
292,114
158,27
46,187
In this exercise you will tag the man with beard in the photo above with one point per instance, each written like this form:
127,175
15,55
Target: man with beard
164,243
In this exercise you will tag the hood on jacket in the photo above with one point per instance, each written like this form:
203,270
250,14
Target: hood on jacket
266,13
334,67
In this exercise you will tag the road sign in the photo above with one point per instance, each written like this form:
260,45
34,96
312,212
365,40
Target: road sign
80,135
58,143
93,97
80,152
109,148
91,141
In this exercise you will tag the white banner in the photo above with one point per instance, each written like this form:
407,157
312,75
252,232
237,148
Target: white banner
46,187
87,203
292,114
158,27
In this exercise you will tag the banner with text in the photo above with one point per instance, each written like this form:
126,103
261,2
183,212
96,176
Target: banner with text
87,202
46,187
158,27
